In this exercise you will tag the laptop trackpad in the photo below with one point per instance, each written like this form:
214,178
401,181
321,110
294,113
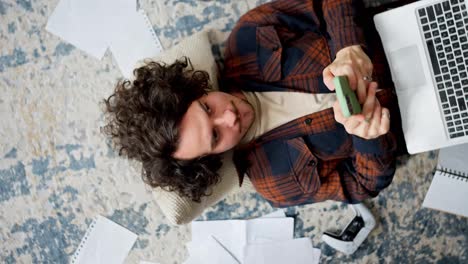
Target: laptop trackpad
407,68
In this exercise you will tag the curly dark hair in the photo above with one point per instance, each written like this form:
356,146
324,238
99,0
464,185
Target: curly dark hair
143,118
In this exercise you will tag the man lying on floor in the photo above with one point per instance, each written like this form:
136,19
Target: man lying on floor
277,110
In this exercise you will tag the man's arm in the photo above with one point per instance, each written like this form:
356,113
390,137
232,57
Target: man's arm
341,17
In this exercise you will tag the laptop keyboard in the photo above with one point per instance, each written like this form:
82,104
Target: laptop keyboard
444,27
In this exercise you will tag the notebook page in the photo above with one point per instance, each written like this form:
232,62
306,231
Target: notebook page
297,251
81,23
455,158
104,242
448,194
133,41
209,252
230,233
262,230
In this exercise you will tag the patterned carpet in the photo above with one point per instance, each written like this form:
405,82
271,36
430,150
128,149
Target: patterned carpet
57,172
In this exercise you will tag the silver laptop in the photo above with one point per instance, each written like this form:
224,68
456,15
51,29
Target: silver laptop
426,44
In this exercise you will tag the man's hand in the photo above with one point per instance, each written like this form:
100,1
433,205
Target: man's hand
353,63
374,120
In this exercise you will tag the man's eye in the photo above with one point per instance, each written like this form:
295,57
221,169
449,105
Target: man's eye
215,137
207,108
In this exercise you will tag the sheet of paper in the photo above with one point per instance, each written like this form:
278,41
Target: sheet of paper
82,23
454,158
230,233
135,40
210,252
297,251
275,214
104,242
262,230
448,194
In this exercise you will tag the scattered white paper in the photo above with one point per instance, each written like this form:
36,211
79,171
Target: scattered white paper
104,242
230,233
95,25
147,262
81,23
233,235
263,230
133,41
297,251
210,252
275,214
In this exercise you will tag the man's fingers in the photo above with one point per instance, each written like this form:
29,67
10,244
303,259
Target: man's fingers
374,126
384,121
361,90
352,123
369,103
328,78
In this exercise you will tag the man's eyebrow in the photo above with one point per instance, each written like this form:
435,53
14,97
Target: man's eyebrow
211,134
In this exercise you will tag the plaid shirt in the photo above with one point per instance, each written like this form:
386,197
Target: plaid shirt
284,46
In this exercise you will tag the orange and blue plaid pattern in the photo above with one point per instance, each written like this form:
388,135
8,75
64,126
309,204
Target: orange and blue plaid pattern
284,46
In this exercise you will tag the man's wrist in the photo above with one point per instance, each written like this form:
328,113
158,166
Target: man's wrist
345,50
378,146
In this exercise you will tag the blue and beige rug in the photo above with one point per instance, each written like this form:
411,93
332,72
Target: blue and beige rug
57,172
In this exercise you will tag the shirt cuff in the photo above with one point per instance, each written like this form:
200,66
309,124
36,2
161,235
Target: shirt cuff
377,146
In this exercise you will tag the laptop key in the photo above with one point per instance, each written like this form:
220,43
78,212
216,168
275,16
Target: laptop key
451,130
443,96
438,9
430,13
433,56
446,5
452,101
450,124
461,104
422,12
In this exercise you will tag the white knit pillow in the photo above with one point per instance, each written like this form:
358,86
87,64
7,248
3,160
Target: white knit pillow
180,210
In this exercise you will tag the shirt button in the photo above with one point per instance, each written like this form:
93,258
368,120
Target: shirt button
311,163
308,121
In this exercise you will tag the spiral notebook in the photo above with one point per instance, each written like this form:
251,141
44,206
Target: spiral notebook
449,188
105,242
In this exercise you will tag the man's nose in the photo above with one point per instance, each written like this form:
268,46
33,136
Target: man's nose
228,118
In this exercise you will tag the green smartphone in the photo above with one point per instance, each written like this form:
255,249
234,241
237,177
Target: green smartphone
346,97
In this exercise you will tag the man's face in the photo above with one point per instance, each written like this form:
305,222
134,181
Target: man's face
213,124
